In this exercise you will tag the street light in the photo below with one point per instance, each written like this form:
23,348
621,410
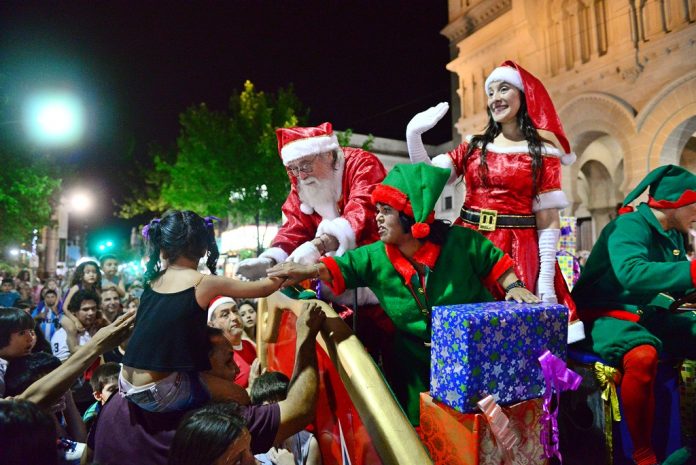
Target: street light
54,118
81,202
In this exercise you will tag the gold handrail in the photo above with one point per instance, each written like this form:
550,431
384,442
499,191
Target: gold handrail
392,435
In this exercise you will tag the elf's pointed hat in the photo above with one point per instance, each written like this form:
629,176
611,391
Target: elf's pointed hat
539,105
414,190
670,186
298,142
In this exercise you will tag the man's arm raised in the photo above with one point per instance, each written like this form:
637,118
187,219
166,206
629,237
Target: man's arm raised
298,408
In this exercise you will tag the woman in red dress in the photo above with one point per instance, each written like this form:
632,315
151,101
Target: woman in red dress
512,174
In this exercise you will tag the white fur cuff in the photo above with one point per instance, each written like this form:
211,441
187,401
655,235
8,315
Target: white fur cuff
276,253
553,199
339,228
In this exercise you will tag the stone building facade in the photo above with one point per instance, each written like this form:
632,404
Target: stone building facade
622,74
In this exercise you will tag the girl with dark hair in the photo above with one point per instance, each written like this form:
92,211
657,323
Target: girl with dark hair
214,434
418,263
513,178
247,312
17,338
87,276
169,347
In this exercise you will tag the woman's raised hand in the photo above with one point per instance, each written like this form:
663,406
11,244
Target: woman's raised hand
427,119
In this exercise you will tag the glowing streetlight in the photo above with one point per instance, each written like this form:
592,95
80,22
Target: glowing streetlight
54,118
81,202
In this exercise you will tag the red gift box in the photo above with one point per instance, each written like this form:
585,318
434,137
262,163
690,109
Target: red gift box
455,438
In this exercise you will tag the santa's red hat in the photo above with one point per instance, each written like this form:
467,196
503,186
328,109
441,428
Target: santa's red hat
216,302
539,105
299,142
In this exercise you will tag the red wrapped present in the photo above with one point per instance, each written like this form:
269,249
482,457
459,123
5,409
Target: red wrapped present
455,438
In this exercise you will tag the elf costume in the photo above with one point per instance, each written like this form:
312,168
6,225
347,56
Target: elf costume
624,291
454,274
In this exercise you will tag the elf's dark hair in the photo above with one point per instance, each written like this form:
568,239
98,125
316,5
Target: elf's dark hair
180,234
79,275
492,131
438,228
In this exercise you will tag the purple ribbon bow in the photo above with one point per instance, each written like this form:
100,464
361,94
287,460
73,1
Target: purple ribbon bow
558,378
146,228
210,219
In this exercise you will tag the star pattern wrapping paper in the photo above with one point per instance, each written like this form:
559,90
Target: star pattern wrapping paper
493,348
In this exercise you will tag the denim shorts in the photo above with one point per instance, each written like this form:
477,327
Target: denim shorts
177,392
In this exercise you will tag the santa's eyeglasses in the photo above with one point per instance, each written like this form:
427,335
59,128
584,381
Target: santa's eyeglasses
304,167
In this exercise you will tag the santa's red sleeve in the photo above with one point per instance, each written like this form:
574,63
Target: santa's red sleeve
362,172
297,229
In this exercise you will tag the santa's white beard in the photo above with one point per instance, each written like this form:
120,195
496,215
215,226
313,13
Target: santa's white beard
321,195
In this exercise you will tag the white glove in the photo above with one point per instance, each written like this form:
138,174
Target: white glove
548,238
306,254
254,268
418,125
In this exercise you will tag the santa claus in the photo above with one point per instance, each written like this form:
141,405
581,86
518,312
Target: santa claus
328,210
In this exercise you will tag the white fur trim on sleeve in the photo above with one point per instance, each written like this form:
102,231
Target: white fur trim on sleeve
553,199
445,161
306,209
276,253
339,228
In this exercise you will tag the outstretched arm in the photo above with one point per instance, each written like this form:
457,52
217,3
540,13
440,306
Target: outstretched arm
47,390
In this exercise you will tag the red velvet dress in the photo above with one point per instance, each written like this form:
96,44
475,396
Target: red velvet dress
510,191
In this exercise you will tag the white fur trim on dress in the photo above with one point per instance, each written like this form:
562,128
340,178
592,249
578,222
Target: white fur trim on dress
445,161
552,199
276,253
341,229
568,158
308,146
507,74
576,331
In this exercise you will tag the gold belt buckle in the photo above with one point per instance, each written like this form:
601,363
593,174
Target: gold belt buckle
487,220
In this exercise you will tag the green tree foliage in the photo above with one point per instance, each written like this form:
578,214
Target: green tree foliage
28,187
226,163
345,137
146,185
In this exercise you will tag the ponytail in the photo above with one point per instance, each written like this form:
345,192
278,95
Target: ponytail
213,252
153,235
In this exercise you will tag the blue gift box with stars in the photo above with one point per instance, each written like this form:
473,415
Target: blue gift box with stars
493,348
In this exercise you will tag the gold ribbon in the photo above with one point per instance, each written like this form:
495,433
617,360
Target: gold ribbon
605,375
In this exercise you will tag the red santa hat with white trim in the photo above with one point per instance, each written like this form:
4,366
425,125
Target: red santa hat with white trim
299,142
539,105
216,302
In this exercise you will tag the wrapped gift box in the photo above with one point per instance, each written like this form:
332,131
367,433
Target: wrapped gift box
493,348
455,438
570,268
569,233
687,393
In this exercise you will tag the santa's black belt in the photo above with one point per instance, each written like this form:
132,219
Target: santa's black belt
490,220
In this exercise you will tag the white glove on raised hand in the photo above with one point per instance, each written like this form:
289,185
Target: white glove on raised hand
306,254
548,238
254,268
420,123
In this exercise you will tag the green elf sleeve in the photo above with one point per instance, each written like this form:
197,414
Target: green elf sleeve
488,261
629,245
348,270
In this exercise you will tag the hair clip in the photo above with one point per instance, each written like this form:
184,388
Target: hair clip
210,219
146,228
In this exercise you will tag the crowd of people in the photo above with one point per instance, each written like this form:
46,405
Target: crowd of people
164,369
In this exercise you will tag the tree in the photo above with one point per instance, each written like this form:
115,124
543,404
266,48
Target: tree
27,185
226,163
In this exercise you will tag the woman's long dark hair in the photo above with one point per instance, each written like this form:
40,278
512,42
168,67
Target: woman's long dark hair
180,234
492,131
438,228
205,434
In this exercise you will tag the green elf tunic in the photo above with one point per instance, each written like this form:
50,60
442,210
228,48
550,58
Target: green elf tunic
455,274
621,292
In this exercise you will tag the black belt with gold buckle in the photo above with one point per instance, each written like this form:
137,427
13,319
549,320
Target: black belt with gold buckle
490,220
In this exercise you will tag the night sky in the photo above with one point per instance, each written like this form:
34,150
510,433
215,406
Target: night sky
365,65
